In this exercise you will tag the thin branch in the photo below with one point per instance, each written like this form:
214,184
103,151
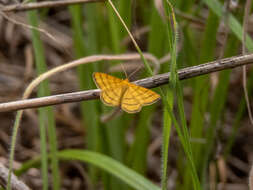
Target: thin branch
150,82
15,183
44,4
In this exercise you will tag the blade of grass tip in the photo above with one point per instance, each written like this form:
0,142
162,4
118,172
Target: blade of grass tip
90,113
46,114
174,81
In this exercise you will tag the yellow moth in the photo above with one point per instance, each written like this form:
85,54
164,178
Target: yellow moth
128,96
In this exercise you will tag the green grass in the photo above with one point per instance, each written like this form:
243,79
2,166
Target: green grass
129,176
112,160
201,87
46,115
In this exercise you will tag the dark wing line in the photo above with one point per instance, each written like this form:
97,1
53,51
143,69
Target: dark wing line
132,96
150,94
95,79
111,98
112,89
98,74
133,111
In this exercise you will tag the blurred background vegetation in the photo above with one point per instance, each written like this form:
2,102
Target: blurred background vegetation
215,151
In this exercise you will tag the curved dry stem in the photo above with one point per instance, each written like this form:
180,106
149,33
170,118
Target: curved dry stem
85,60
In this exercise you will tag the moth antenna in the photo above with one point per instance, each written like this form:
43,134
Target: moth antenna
139,67
123,68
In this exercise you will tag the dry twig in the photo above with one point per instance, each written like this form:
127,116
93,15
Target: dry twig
44,4
15,183
150,82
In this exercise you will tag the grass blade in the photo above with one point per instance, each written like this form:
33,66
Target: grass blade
176,87
104,162
89,109
46,115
